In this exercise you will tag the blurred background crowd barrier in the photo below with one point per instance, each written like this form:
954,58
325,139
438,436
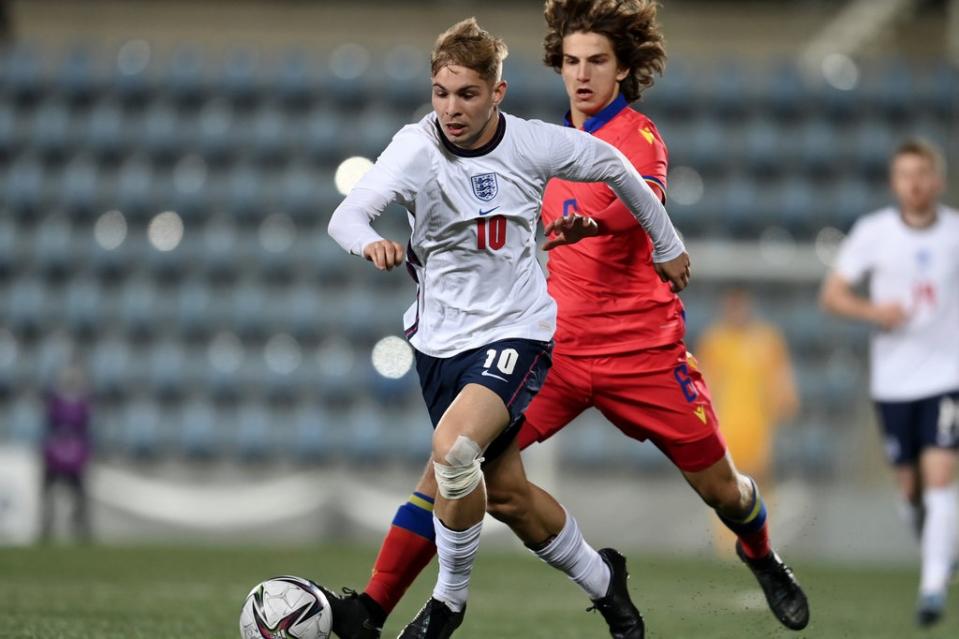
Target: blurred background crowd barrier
167,171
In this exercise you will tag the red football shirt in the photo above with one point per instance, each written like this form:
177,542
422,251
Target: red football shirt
610,298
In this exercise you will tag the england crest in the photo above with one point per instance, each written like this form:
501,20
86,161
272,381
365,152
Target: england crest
484,186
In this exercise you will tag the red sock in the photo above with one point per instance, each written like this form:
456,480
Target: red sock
406,550
756,544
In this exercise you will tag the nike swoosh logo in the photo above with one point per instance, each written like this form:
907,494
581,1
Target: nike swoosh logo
482,212
489,374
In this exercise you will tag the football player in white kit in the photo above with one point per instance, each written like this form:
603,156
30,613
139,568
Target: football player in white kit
471,179
910,252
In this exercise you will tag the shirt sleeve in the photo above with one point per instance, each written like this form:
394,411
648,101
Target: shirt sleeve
580,157
854,259
396,177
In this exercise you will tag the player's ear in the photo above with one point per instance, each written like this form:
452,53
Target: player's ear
621,73
499,92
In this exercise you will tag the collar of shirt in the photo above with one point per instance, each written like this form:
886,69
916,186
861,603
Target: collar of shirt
597,121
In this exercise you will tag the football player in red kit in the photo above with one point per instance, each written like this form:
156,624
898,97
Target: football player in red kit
620,328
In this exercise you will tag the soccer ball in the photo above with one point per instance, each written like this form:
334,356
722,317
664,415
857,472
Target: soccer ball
286,608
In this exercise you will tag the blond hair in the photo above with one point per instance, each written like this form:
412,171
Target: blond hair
466,44
924,149
630,26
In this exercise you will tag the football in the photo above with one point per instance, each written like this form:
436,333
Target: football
286,608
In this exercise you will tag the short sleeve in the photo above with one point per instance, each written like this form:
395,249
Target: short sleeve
855,257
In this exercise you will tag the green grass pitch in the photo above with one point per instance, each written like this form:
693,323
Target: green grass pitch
70,592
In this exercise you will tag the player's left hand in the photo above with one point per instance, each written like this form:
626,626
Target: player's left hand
569,230
676,271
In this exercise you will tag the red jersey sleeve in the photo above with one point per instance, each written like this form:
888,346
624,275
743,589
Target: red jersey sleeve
644,147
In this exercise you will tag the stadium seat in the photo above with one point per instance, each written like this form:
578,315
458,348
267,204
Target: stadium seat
197,437
185,75
23,71
314,427
27,300
217,130
109,364
238,79
27,420
25,186
79,76
166,369
134,187
162,133
9,246
11,129
268,135
193,306
142,424
52,130
293,79
322,137
244,194
253,432
83,306
80,191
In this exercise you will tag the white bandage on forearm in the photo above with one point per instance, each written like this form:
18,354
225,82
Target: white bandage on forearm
462,472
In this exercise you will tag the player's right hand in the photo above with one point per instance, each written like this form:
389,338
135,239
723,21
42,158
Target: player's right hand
890,316
384,254
676,271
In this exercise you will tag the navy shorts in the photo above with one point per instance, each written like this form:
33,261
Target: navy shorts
514,369
911,427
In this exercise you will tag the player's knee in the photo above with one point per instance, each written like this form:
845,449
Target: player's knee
457,468
722,494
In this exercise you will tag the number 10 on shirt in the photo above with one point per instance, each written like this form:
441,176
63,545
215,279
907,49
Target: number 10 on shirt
491,233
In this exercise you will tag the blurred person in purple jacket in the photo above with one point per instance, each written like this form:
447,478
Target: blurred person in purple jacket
67,445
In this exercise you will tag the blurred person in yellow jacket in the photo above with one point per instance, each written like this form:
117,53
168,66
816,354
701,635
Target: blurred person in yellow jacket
746,362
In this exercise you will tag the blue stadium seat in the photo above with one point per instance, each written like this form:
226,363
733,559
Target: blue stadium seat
137,306
193,306
162,132
763,149
239,79
53,245
299,189
27,420
79,76
25,185
729,92
11,129
52,131
134,187
370,436
79,187
294,79
268,134
185,76
246,308
198,434
9,247
216,130
937,90
253,434
166,369
372,130
798,206
83,306
889,88
784,90
23,72
143,422
105,133
314,427
873,144
109,364
323,137
27,300
817,146
244,193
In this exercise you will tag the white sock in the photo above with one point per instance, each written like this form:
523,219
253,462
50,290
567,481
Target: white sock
939,538
569,552
911,514
456,551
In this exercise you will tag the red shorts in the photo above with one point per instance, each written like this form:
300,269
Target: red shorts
656,394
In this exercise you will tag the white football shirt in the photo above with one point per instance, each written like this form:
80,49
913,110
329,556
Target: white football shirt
919,269
473,215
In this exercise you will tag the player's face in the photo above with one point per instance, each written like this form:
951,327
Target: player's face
465,105
916,182
590,72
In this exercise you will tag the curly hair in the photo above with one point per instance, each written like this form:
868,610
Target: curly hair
466,44
630,26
